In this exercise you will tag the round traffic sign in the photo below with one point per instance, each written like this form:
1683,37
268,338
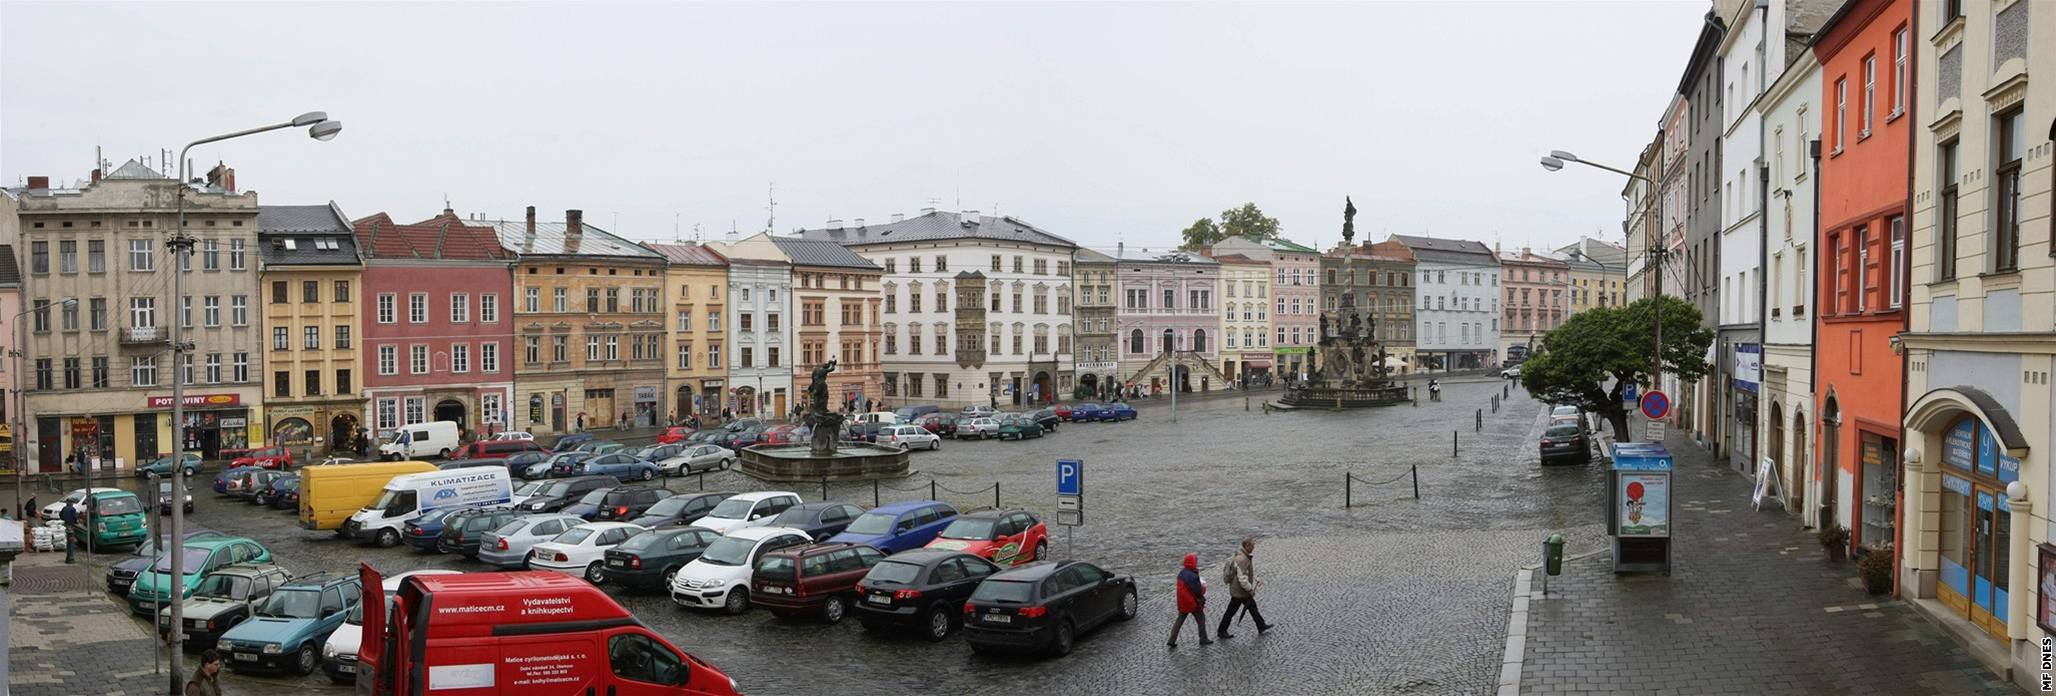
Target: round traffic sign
1656,405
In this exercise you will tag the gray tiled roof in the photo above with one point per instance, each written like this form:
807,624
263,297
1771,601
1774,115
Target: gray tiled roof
1085,255
1173,256
1462,251
301,218
941,224
549,240
10,274
133,169
688,254
305,235
821,252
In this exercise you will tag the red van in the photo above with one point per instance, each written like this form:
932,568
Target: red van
472,634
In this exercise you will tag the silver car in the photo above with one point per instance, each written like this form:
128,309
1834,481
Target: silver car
977,428
695,457
508,546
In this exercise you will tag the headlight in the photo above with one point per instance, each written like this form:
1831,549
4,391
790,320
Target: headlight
328,651
102,527
273,648
224,645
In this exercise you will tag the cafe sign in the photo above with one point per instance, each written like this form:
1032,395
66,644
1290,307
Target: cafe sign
199,400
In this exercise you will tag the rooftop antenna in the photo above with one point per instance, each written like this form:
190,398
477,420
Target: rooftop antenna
674,227
771,206
696,236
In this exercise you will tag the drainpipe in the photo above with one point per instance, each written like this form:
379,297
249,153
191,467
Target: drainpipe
1813,356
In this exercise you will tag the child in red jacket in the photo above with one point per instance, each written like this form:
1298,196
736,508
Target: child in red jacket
1191,601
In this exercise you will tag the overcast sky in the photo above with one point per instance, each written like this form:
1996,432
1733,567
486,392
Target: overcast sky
1098,122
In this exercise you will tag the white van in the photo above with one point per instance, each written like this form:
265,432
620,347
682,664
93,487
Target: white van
879,417
420,441
409,496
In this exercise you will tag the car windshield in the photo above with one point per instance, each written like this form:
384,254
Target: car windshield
873,523
728,551
894,572
733,509
973,528
555,488
391,498
292,604
1564,411
643,542
1008,591
224,586
669,506
195,559
356,617
119,506
1561,430
530,488
795,517
654,452
573,535
597,495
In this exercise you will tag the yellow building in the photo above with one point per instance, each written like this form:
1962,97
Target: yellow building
696,377
1598,274
309,281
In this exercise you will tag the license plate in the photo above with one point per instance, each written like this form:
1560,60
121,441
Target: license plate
998,618
616,562
774,589
879,599
244,657
184,636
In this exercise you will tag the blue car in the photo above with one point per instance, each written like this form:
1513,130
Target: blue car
288,629
1116,411
221,479
896,527
422,532
565,443
558,465
587,508
1082,413
620,465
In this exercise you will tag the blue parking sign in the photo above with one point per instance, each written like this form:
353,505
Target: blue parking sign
1070,477
1628,394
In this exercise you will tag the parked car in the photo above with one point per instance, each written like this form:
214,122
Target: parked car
779,434
273,457
259,481
620,465
558,465
1007,537
229,473
922,588
818,520
818,579
1083,413
975,411
679,510
942,424
865,432
720,577
417,441
657,451
691,457
518,462
288,496
109,519
1112,412
1565,441
123,573
1062,410
896,527
907,414
288,629
1045,606
705,435
977,428
580,550
600,446
202,556
482,449
1510,373
507,547
463,530
674,434
568,442
1018,426
910,437
272,491
747,510
750,436
339,652
1048,418
651,560
556,494
53,511
587,507
514,435
185,498
455,464
629,502
162,466
422,533
222,600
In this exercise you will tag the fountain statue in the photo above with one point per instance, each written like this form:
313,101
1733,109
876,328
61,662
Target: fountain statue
826,424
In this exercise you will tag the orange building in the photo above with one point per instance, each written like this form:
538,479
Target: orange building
1866,60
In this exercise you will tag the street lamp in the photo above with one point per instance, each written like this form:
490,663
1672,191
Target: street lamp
21,342
1554,162
320,127
1556,159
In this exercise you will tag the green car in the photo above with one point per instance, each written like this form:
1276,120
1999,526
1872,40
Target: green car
161,466
288,629
113,518
203,556
1018,427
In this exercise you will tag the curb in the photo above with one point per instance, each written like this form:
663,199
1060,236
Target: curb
1514,659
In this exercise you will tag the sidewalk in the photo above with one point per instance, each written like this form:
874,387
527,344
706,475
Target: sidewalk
66,636
1751,606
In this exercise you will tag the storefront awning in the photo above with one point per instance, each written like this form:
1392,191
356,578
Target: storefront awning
1936,408
1258,364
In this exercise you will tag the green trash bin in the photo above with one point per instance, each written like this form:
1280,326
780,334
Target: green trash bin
1552,554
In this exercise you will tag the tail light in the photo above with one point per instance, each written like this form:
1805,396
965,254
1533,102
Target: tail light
417,531
620,511
635,562
968,608
501,544
1032,612
903,595
561,558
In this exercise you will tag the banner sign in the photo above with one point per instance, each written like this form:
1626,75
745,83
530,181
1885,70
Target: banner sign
199,400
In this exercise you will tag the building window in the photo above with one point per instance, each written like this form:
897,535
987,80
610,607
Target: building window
210,310
68,256
342,336
213,368
460,308
559,301
387,308
532,349
1841,112
39,257
343,385
1897,273
489,404
278,292
388,414
44,376
558,347
2011,143
749,357
489,357
310,291
235,255
142,256
281,383
417,410
143,371
311,338
71,373
242,368
417,308
1840,293
342,291
613,347
1870,90
313,382
1899,51
239,310
460,358
418,358
388,360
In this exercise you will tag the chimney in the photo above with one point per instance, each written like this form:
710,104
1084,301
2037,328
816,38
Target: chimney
39,183
222,177
574,223
968,218
927,211
860,223
1120,250
834,223
1526,253
896,217
531,221
96,175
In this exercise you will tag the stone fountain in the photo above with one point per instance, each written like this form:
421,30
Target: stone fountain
825,455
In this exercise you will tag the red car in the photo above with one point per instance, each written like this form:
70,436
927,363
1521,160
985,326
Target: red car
778,435
1005,537
676,433
942,424
1063,411
273,457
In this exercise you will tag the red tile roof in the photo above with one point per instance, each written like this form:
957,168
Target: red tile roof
444,236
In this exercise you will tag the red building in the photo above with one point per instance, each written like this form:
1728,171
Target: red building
1866,130
438,320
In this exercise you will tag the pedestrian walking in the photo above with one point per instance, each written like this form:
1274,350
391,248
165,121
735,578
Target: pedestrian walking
1191,601
1242,585
206,680
28,510
70,515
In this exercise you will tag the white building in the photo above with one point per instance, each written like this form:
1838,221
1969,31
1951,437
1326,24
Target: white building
1457,303
760,345
1739,341
1791,122
977,308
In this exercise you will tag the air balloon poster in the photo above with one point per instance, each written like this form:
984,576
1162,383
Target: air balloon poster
1645,504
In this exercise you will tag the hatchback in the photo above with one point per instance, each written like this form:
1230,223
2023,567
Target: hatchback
819,579
677,510
922,588
977,427
1045,606
629,502
1565,441
910,437
651,560
674,434
288,629
896,527
818,520
464,530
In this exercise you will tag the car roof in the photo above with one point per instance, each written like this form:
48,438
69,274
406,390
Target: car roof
925,557
814,549
905,506
762,533
818,505
601,526
989,514
318,579
212,543
251,569
754,496
1032,571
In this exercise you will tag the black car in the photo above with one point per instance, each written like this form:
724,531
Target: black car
1565,440
865,432
470,463
1044,606
629,502
521,460
818,520
462,529
1048,418
559,493
920,588
679,510
648,560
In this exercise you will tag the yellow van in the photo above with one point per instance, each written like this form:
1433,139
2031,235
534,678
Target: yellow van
330,493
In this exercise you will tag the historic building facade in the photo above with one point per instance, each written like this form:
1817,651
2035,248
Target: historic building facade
835,295
1167,321
1295,293
1535,299
1245,318
1098,361
760,331
696,375
1372,283
1456,303
455,359
311,280
1792,121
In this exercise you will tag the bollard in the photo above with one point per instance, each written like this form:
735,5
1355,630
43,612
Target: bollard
1345,489
702,478
931,489
1452,443
824,488
874,492
1416,469
995,495
1245,404
1505,390
1481,420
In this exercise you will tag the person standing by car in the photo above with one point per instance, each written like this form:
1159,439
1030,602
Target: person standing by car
1242,584
206,680
70,515
28,510
1191,601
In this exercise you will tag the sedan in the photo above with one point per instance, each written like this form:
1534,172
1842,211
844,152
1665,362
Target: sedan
464,531
818,520
1565,441
674,434
1082,413
1018,426
780,434
558,465
942,424
678,510
922,589
601,446
162,466
1009,537
1048,418
582,550
508,546
1044,606
978,427
651,560
692,458
425,532
285,492
1116,411
587,507
620,465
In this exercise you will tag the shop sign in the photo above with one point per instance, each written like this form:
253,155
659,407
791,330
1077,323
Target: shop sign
1959,444
198,400
85,428
1645,504
1987,452
235,422
2009,469
710,384
645,393
1960,486
2045,580
1748,366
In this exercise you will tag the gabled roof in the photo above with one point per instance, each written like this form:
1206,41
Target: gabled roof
1239,260
133,169
821,252
10,274
444,237
939,225
1282,244
1085,255
1447,250
550,239
305,235
688,254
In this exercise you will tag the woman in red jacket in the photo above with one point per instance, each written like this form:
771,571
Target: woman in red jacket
1191,601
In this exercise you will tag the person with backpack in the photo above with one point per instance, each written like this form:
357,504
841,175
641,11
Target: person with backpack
1240,572
1191,601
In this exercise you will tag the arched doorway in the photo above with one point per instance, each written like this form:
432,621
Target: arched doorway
1170,341
1961,520
293,431
1045,388
1181,378
745,400
1800,471
451,410
1089,383
1776,452
342,432
1199,340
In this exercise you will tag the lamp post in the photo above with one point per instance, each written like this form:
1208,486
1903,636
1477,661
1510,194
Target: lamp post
21,342
319,127
1554,162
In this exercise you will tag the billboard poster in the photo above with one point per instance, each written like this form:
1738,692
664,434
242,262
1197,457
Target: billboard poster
2045,583
1645,504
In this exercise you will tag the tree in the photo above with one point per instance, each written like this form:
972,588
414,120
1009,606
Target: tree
1589,359
1246,221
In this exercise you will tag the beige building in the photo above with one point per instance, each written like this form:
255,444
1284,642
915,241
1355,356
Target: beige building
835,296
696,280
100,368
1245,317
1098,364
311,278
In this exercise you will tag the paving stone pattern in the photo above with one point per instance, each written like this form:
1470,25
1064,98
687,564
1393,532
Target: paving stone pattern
64,639
1751,606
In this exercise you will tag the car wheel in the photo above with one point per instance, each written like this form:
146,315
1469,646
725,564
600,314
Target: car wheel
595,574
1128,605
938,623
647,475
1041,550
726,463
738,601
670,574
934,445
305,661
834,609
388,537
444,454
1060,644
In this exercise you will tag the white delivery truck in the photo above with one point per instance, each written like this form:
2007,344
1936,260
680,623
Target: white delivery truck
420,441
409,496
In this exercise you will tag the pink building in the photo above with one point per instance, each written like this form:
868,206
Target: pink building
1166,321
10,378
438,323
1295,291
1534,298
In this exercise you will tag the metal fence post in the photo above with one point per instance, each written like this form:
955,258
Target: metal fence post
931,489
874,492
1417,480
1452,444
824,488
995,495
1481,419
1345,489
